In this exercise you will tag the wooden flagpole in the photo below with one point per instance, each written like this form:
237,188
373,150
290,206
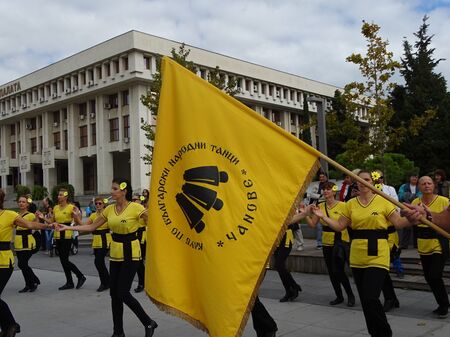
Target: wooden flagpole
380,193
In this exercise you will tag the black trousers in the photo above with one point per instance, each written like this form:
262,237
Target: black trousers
141,268
23,256
281,254
336,271
121,278
6,316
433,267
99,261
369,282
262,321
63,246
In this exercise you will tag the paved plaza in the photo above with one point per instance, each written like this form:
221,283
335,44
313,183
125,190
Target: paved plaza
86,313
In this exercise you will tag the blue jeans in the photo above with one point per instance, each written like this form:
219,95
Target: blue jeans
48,239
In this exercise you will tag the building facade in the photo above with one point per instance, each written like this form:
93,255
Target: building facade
78,120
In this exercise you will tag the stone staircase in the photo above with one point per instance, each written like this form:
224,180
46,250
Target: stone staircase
310,260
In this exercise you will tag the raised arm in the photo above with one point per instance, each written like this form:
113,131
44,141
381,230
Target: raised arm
398,221
21,222
337,225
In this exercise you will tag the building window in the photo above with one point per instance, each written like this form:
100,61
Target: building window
114,129
33,145
57,140
64,111
107,69
56,118
13,129
83,136
32,124
92,106
125,97
39,121
99,72
113,101
82,109
41,145
126,126
147,62
66,140
93,134
116,66
13,151
125,63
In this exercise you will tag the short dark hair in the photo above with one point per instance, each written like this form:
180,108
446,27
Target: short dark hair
440,172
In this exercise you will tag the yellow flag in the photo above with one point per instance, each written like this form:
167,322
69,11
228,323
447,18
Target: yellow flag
224,182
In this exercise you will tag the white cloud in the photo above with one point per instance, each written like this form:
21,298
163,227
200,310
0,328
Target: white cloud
307,38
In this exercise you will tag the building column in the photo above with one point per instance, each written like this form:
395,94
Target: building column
49,174
139,178
104,157
75,163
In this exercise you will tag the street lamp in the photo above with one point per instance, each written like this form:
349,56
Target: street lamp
321,128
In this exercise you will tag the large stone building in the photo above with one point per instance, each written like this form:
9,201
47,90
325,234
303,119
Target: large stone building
78,120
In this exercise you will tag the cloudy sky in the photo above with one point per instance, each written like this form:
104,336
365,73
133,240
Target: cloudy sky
310,38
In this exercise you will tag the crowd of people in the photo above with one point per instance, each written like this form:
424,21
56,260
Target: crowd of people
358,228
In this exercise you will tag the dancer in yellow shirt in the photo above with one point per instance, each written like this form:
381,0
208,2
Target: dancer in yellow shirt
125,253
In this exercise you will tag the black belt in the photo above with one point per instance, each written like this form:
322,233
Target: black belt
62,235
372,236
5,245
102,233
126,240
391,229
337,235
426,233
24,234
429,233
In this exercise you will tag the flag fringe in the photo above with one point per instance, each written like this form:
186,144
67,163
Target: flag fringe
313,171
177,313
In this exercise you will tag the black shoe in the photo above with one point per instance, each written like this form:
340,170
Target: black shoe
24,290
12,330
118,335
139,288
33,287
286,298
102,288
390,304
150,329
441,312
81,281
351,301
66,286
266,334
337,301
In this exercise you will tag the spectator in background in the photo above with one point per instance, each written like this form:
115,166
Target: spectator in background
407,193
346,188
47,235
441,185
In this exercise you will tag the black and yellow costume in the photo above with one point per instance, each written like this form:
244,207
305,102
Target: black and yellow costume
24,243
281,254
390,297
63,215
434,251
335,247
125,257
7,219
101,240
369,257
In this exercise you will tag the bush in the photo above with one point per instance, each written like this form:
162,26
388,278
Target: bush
56,189
21,190
39,192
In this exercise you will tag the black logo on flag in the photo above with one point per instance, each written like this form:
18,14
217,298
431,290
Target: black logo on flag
196,198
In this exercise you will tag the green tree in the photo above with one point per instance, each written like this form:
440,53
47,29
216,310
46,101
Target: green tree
377,68
423,103
151,99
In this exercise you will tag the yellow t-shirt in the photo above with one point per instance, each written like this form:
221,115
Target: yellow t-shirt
7,219
372,216
431,246
18,240
64,216
125,222
334,213
97,238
